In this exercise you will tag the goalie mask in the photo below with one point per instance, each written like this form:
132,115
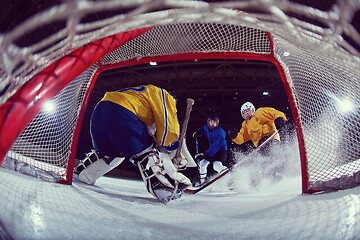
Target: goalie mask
247,110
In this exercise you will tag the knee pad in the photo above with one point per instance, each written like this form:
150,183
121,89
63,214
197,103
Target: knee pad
141,156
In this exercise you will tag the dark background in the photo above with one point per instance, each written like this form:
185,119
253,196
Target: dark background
217,86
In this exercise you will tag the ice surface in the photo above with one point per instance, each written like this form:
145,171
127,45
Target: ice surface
249,203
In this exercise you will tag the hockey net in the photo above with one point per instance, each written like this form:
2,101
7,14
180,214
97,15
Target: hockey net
319,69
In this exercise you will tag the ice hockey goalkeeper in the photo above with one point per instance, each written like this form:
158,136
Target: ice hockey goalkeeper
119,129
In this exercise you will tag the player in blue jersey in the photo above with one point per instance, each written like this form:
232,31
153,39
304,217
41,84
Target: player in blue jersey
120,129
216,153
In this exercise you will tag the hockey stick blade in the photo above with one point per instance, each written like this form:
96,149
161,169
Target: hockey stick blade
202,187
198,189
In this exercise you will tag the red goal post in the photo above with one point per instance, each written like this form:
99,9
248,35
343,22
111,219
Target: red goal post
19,110
309,66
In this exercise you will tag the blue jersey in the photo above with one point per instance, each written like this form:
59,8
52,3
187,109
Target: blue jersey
216,138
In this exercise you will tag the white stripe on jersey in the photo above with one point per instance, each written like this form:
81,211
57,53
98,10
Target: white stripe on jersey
166,120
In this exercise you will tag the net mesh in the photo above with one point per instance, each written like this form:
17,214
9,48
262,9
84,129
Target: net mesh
321,69
322,93
189,38
46,142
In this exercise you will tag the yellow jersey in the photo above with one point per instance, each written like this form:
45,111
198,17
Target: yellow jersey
260,125
151,105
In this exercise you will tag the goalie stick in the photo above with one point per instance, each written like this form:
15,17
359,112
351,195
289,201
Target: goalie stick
189,103
146,179
211,181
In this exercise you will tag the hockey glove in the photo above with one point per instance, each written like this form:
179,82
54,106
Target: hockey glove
185,159
233,133
279,123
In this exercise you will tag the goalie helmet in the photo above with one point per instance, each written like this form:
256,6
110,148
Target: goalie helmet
247,114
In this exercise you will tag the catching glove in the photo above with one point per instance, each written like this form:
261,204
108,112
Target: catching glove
279,123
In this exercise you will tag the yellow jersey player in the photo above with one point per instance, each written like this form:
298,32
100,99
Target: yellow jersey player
258,126
119,129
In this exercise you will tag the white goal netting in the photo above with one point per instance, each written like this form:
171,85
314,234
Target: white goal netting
319,68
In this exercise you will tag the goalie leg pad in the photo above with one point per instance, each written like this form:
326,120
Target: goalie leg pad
157,180
141,156
158,169
157,184
93,170
171,170
150,156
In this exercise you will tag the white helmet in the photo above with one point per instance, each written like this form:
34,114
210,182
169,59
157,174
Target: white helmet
245,106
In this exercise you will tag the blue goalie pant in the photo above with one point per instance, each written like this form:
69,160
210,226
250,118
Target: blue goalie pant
116,131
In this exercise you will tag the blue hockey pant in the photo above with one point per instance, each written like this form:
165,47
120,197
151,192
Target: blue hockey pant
116,130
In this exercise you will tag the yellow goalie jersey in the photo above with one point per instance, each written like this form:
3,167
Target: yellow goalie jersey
151,105
260,125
